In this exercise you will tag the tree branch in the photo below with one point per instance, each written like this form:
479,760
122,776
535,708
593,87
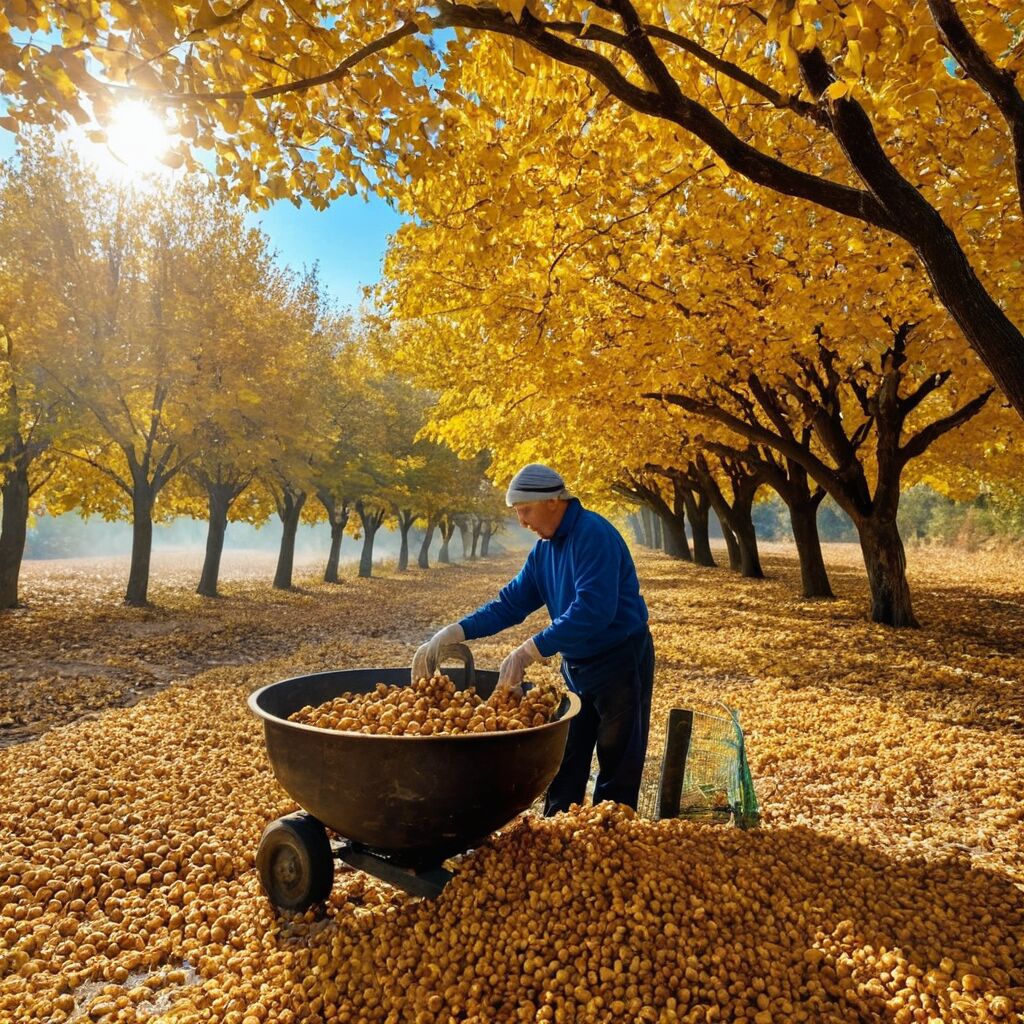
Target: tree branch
787,446
336,73
675,107
923,390
43,481
105,470
600,34
919,443
999,84
860,435
769,401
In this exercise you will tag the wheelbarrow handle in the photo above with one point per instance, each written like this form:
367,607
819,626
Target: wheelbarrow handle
460,652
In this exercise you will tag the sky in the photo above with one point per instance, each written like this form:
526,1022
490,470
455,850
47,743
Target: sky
348,239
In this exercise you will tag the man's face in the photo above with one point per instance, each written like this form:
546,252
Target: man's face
543,517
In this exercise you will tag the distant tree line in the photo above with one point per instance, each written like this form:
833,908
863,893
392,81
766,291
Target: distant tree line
156,361
925,517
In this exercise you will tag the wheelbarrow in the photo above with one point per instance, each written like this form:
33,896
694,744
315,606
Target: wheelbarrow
399,806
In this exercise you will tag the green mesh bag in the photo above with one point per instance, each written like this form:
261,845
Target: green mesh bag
704,772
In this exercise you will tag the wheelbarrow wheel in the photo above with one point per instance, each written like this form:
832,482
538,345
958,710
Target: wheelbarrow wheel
295,862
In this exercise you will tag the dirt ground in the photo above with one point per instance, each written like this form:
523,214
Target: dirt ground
74,649
886,881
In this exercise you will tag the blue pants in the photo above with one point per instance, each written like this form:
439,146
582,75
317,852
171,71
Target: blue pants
615,692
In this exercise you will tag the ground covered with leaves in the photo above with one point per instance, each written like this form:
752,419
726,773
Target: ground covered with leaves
885,883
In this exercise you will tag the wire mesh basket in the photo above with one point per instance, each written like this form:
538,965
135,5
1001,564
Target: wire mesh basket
703,774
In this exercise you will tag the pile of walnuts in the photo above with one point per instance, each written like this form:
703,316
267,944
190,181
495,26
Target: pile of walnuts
433,707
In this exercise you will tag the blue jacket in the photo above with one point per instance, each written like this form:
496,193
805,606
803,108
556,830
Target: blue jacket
586,578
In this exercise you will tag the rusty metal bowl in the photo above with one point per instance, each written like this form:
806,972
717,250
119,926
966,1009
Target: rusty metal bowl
413,799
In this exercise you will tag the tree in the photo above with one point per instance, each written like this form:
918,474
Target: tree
412,459
645,489
385,466
134,264
303,381
777,417
866,116
34,324
489,511
445,486
601,299
734,507
347,412
790,481
237,359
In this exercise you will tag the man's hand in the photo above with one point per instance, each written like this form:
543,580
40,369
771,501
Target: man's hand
510,674
428,655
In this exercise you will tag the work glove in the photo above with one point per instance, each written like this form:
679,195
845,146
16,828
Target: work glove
428,655
510,673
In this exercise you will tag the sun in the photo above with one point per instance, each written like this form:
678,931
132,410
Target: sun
137,148
137,137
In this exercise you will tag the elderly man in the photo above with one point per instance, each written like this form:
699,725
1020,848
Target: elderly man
582,571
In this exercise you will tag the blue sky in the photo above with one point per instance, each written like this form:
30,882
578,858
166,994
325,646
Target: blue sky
348,238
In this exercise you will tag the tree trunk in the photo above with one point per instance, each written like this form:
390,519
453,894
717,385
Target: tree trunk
477,528
803,515
486,532
334,555
371,521
742,524
370,528
464,536
674,534
337,517
447,527
405,521
648,527
679,492
289,510
218,503
633,519
13,531
697,513
424,558
656,531
886,564
142,546
735,519
789,480
732,546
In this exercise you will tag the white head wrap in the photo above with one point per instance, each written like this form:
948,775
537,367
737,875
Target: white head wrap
535,482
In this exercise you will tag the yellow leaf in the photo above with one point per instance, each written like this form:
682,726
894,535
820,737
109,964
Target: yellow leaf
837,90
854,59
205,18
515,8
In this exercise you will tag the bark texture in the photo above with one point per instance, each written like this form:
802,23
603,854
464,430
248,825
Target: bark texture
13,533
137,593
289,508
216,529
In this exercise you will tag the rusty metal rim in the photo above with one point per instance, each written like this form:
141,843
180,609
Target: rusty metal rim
572,710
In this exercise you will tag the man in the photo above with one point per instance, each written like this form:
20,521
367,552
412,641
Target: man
582,571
